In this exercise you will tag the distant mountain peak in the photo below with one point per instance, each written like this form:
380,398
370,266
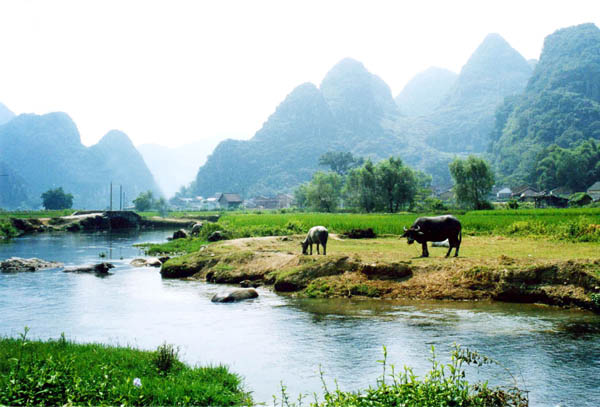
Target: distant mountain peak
116,138
494,71
350,89
570,59
494,54
423,93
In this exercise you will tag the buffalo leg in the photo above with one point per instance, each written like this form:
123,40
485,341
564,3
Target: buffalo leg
449,250
311,249
425,251
318,249
324,249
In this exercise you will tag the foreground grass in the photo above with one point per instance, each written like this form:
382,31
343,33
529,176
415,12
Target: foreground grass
444,385
60,372
63,373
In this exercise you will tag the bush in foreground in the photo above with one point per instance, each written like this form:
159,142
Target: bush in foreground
60,372
444,386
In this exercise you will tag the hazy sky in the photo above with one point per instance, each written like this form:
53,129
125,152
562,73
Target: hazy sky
173,72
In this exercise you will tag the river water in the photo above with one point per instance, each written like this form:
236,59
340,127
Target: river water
553,353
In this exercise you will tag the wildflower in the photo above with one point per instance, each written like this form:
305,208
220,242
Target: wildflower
137,382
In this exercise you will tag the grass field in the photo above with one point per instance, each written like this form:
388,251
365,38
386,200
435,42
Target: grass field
35,214
571,224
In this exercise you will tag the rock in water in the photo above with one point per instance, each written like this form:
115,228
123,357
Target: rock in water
18,265
235,295
149,262
249,283
100,269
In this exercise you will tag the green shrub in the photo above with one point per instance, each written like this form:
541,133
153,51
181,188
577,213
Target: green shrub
512,204
443,386
364,290
166,357
7,230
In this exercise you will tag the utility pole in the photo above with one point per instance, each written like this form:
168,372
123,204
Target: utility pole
120,197
110,207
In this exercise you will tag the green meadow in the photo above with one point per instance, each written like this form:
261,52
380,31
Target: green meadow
577,224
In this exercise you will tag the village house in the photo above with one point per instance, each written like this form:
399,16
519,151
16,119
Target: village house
504,194
284,201
594,191
548,200
530,195
230,201
446,195
563,191
210,204
524,191
281,201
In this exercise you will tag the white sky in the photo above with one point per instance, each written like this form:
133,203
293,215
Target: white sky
174,72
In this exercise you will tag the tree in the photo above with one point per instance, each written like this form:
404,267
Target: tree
397,183
162,206
57,199
361,188
340,162
576,168
473,180
300,196
324,191
144,201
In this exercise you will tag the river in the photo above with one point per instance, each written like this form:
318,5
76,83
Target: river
554,353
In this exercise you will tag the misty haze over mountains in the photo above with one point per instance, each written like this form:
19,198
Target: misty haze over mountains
437,115
500,106
45,152
174,167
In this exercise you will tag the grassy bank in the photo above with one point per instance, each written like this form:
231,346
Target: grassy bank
60,372
574,225
489,268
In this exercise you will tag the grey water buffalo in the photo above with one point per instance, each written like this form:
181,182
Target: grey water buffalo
435,229
316,235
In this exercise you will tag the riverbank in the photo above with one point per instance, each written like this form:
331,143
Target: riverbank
489,268
89,221
60,372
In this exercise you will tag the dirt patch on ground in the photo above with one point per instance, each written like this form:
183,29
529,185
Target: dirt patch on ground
277,261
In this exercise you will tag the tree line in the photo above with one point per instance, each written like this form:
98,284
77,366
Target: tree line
389,185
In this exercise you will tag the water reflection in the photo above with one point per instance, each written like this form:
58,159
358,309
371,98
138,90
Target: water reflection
273,338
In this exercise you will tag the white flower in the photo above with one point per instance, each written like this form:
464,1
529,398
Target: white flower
137,382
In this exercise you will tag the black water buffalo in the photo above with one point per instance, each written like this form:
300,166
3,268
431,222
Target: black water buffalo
435,229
